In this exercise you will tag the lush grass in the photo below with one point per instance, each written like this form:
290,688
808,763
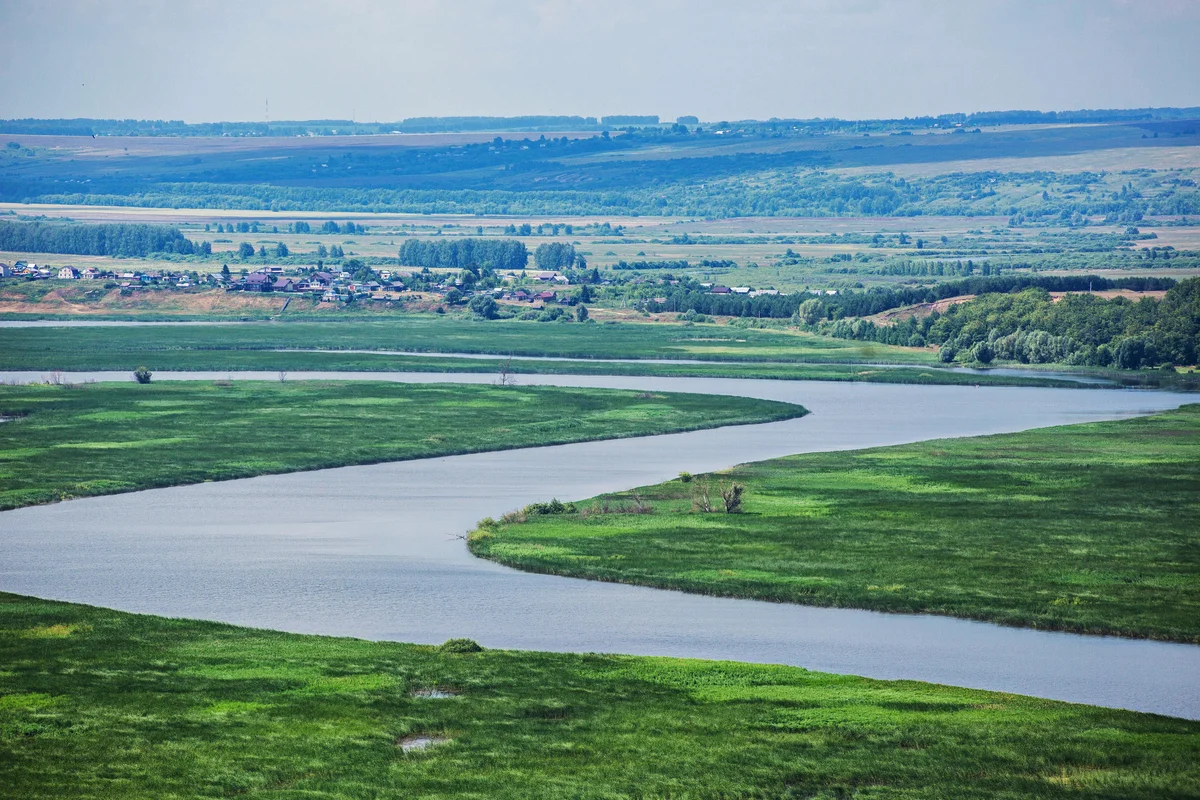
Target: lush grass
1087,528
72,441
42,347
100,704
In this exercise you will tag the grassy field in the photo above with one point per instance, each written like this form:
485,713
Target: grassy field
99,704
1088,528
58,442
40,346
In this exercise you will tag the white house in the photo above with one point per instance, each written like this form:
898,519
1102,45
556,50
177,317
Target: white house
67,274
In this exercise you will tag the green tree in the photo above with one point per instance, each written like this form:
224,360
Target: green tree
581,313
245,250
484,306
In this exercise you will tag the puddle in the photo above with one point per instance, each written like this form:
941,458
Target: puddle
418,742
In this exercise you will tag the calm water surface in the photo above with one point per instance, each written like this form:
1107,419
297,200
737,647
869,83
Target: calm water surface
374,551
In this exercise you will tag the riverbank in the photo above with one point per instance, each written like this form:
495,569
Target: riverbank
462,346
64,441
377,551
1086,528
99,703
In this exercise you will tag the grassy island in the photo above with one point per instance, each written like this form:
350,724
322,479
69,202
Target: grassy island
1088,528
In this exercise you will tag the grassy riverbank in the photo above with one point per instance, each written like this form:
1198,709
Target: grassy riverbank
277,346
73,441
497,337
1086,528
97,703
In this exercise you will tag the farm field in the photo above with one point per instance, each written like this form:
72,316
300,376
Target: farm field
346,717
1086,528
63,441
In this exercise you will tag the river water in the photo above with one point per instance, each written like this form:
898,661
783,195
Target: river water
373,551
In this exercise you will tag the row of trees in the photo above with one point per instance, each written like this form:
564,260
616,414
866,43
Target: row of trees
124,240
465,253
689,295
558,255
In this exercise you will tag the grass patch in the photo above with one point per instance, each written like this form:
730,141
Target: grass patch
145,707
1088,528
75,441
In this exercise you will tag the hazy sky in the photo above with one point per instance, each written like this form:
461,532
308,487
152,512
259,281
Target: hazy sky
203,60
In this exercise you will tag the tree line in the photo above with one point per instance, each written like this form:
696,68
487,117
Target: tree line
689,295
111,239
465,253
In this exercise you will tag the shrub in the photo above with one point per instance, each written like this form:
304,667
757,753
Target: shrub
142,375
460,646
555,506
685,477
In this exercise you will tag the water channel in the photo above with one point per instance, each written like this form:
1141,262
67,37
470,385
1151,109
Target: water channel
373,551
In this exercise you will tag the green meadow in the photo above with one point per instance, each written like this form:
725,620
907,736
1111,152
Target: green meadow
103,704
1088,528
63,441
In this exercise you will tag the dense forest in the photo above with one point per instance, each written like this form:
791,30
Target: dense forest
465,253
125,240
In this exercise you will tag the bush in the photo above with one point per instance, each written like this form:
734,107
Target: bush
983,353
142,375
460,646
555,506
685,477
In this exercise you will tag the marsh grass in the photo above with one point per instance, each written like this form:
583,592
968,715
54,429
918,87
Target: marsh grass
137,706
63,441
1088,528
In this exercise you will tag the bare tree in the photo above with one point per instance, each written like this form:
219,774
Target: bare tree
732,495
283,376
701,501
506,376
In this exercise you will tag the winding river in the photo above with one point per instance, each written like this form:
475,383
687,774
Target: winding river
374,551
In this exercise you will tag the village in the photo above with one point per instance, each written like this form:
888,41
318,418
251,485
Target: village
353,281
331,285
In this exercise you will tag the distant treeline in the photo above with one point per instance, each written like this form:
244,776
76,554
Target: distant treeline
96,240
680,264
629,119
531,123
135,127
879,299
465,253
